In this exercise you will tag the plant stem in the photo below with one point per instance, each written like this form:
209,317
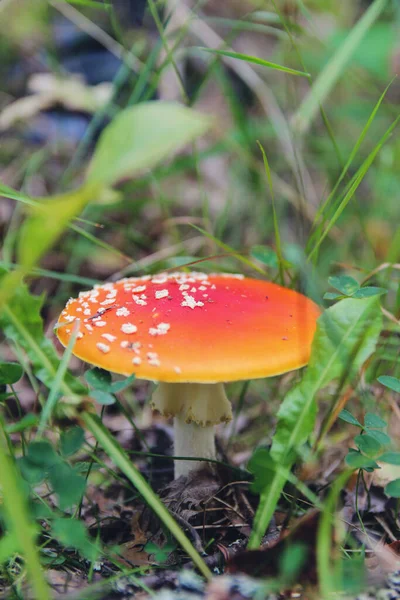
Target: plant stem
117,454
19,522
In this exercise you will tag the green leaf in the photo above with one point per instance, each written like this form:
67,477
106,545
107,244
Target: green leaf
345,415
262,466
42,454
372,420
47,221
379,436
160,553
67,484
368,445
102,397
356,460
265,255
71,440
291,561
10,373
140,136
99,379
327,79
390,382
367,292
332,296
346,336
393,489
22,323
118,386
255,60
392,458
32,473
123,462
8,547
28,421
72,533
345,284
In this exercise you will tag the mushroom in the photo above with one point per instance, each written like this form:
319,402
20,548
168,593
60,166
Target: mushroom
191,332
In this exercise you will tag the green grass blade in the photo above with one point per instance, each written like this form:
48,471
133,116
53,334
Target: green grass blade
334,69
117,454
326,575
353,186
274,215
353,154
20,523
48,408
228,249
338,351
255,60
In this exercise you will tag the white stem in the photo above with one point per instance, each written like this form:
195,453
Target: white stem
192,440
197,407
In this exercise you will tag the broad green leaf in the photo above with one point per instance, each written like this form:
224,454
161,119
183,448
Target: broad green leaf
345,284
8,547
10,373
356,460
292,559
72,533
98,378
367,292
140,136
265,255
32,473
390,382
118,386
42,454
255,60
71,440
46,222
262,466
332,296
379,436
345,415
393,489
67,484
346,336
102,397
368,445
372,420
392,458
22,323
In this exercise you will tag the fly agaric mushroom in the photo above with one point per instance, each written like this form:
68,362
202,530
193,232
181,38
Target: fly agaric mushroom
191,332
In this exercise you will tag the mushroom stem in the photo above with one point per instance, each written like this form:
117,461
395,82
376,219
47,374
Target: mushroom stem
197,407
192,440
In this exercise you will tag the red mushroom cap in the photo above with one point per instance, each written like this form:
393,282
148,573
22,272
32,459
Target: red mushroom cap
192,327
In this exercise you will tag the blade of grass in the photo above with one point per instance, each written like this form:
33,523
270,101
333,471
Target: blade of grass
349,161
117,454
327,79
353,186
51,402
54,274
35,347
255,60
227,248
326,575
20,523
274,215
